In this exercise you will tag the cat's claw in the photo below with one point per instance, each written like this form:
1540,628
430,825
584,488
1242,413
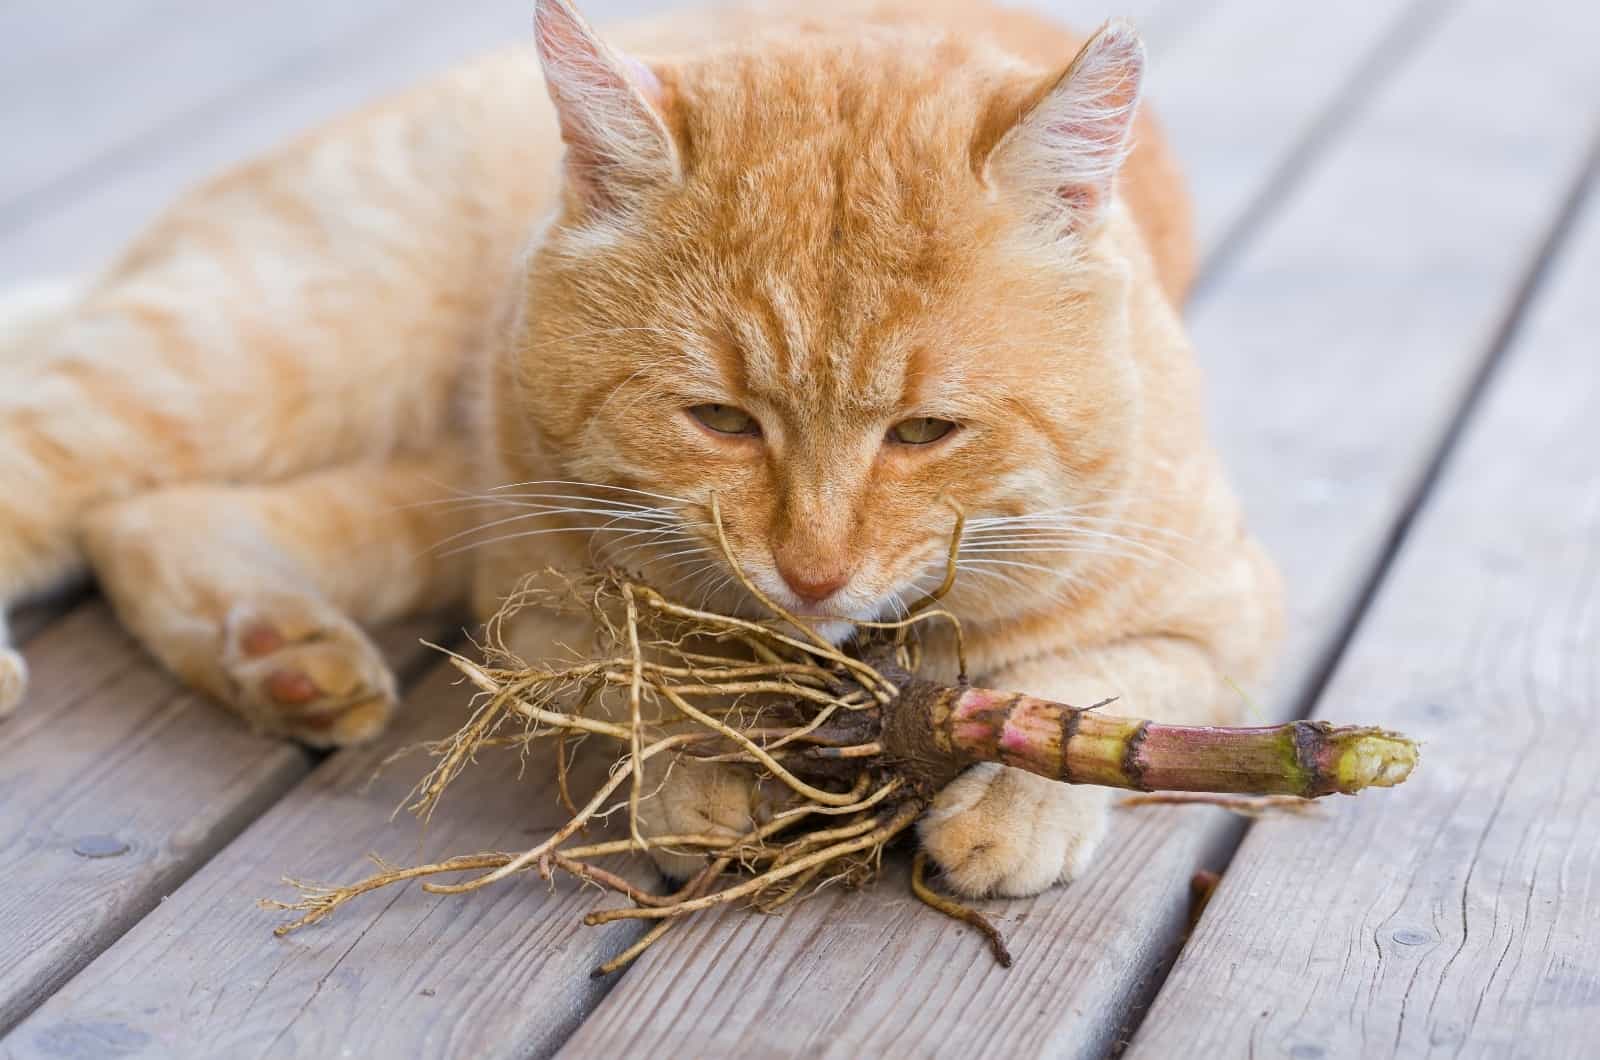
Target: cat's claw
311,676
999,831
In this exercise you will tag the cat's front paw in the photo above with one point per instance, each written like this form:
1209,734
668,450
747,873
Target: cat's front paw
13,679
1000,831
298,669
689,797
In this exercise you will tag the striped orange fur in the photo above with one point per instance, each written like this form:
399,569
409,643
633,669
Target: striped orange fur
846,271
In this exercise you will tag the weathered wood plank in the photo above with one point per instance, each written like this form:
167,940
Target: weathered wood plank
1357,323
504,972
115,785
1394,262
108,751
76,227
39,39
1459,915
100,710
1283,90
141,76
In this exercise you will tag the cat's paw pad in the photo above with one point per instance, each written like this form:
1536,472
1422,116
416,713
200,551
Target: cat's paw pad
13,680
699,798
999,831
297,670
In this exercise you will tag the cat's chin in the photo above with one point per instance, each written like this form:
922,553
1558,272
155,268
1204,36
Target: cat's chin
835,620
837,628
830,626
833,630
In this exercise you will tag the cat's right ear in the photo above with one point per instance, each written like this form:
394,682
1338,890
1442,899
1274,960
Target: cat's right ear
611,108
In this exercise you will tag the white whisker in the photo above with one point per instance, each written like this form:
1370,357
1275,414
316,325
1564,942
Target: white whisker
590,485
501,539
521,517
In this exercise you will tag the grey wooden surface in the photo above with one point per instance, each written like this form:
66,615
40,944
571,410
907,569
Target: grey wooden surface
1379,186
115,785
1462,916
110,759
501,973
113,136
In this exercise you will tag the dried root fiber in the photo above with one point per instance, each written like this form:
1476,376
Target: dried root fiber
857,744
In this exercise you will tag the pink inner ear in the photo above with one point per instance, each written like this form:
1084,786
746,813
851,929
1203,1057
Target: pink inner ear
1081,197
606,105
1081,135
644,79
1094,137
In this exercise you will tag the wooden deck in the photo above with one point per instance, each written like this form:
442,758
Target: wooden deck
1398,316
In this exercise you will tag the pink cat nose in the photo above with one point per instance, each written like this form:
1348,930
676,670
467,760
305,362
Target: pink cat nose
812,585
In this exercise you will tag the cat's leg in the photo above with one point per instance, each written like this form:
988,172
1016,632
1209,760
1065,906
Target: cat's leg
265,327
146,384
252,594
25,314
996,830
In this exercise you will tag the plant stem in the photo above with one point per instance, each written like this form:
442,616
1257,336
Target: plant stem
936,731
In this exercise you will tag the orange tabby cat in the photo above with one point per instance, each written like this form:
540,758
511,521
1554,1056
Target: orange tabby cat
847,271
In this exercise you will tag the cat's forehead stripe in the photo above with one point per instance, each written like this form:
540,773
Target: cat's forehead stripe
786,312
786,365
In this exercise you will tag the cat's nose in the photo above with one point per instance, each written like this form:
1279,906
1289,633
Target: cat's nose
811,584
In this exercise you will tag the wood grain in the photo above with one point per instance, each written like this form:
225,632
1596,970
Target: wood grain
1340,345
108,746
1460,914
1284,91
140,75
315,73
503,972
115,785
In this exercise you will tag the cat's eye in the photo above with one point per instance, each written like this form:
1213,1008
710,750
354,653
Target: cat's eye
920,431
726,419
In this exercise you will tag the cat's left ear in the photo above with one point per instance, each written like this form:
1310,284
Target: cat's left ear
1063,155
611,108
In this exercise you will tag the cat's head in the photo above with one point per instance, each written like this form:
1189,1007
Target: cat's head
846,284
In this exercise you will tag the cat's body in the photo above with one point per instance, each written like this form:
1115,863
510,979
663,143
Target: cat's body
817,227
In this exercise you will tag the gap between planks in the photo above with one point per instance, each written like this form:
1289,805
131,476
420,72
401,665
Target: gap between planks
109,752
1410,27
502,972
82,218
1427,481
152,109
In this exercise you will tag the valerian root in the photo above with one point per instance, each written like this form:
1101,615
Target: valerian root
955,910
859,744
